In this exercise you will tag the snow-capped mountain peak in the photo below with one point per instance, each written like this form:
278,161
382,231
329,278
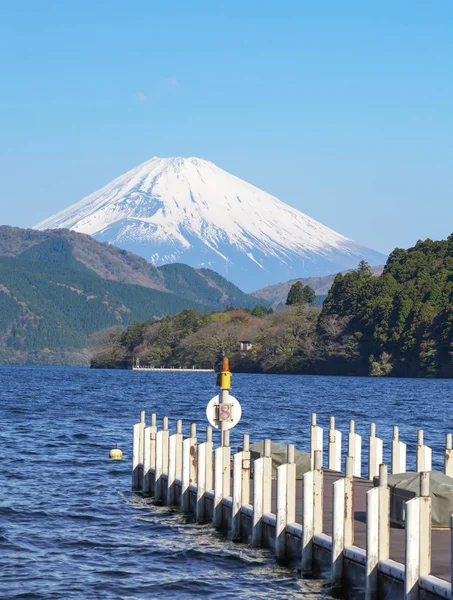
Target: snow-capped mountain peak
189,210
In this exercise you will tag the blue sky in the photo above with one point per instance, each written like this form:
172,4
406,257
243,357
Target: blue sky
341,109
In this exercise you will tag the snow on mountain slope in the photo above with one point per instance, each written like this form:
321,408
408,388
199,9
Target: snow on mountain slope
189,210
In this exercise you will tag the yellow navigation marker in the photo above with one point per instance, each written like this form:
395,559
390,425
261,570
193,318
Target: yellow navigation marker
116,454
224,377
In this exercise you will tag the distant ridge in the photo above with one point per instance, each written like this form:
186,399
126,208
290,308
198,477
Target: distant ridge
189,210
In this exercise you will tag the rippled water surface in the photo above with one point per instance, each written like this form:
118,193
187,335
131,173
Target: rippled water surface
69,525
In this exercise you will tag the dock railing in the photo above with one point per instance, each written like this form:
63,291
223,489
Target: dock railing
237,494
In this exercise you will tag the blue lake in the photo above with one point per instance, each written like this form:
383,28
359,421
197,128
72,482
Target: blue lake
69,525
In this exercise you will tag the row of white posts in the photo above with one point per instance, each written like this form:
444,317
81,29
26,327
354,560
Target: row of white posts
198,468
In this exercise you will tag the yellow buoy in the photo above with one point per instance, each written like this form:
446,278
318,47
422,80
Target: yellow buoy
116,454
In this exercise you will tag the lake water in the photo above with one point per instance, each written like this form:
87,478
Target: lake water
69,524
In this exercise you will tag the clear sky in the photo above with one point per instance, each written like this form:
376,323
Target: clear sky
343,110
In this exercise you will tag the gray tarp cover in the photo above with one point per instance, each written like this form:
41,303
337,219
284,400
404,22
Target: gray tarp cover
278,453
441,492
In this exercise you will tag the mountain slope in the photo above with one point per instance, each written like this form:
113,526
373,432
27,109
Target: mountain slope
276,294
203,287
191,211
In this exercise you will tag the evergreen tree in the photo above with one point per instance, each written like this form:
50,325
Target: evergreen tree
296,294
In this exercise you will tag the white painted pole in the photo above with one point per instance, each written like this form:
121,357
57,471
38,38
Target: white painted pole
315,440
185,474
334,447
338,531
448,460
375,453
209,459
142,436
135,455
355,449
165,436
318,484
384,513
280,529
425,524
372,544
147,461
159,459
267,477
307,523
349,503
171,469
178,450
152,455
423,454
290,486
201,481
193,455
412,549
218,482
246,463
226,468
258,466
237,496
398,454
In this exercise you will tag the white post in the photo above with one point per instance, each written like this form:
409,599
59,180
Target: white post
315,440
209,465
372,544
375,453
142,436
159,463
226,468
338,531
334,447
412,549
318,485
245,483
237,496
218,481
185,474
178,450
165,436
398,454
307,523
135,455
291,486
280,529
193,454
152,454
258,466
448,460
425,525
267,477
384,513
355,449
349,503
201,481
171,469
147,461
423,455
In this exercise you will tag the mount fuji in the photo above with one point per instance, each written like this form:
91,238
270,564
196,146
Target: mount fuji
189,210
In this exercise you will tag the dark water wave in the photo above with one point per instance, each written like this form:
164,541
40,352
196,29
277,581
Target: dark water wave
69,525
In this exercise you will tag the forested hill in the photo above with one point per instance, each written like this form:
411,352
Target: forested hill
399,323
51,303
403,319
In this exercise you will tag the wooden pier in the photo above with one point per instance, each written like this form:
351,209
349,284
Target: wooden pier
330,524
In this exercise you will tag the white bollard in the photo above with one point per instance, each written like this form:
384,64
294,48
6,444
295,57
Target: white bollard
209,459
185,474
398,454
286,505
226,462
316,433
178,451
412,549
355,449
384,513
142,436
423,454
334,447
159,463
349,503
218,482
375,453
152,454
165,436
201,481
193,455
338,493
171,469
258,469
307,523
245,484
147,461
448,459
425,525
135,456
318,487
372,544
237,496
